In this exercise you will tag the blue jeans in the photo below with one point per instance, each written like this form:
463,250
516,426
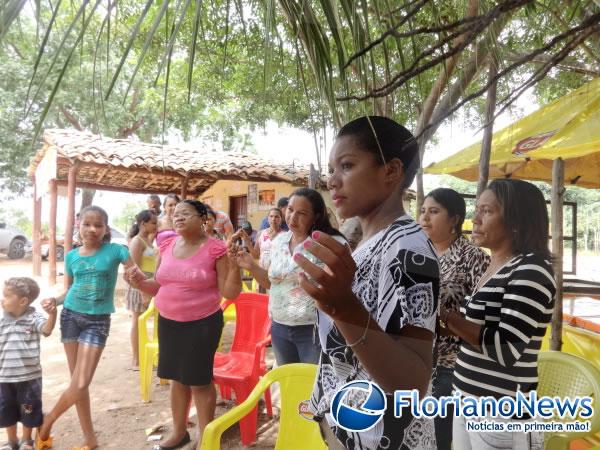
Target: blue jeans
88,329
442,386
294,344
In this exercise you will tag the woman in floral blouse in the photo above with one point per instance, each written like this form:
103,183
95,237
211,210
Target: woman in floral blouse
292,310
461,266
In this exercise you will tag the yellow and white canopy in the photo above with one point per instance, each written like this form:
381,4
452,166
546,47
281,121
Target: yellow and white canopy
568,128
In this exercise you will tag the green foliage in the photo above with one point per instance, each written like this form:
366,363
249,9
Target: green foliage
126,217
17,219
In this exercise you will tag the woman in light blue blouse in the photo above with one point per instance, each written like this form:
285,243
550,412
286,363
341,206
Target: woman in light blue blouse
292,311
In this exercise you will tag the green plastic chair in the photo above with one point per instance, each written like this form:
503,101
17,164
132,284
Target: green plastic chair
565,375
295,432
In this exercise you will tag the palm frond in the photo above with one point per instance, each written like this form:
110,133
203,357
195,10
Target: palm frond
134,34
64,69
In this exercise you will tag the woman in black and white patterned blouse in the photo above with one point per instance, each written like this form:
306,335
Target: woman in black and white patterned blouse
377,305
506,317
461,265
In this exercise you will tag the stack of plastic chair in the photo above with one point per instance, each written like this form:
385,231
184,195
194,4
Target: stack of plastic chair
228,308
564,375
229,315
295,432
240,370
148,349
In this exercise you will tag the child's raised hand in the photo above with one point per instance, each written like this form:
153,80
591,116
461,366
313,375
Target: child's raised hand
49,305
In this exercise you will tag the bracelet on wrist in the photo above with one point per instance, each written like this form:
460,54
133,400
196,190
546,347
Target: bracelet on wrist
444,317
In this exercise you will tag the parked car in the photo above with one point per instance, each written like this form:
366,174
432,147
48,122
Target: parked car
116,236
12,242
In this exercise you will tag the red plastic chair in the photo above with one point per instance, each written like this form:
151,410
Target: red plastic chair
240,369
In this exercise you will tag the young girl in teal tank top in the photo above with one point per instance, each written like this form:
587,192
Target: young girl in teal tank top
91,273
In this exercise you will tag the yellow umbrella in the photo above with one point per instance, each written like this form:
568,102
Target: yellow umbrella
568,128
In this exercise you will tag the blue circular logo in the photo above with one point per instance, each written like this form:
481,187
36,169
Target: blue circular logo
358,405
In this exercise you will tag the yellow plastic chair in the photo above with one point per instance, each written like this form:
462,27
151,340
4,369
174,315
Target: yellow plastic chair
229,314
565,375
148,349
295,432
252,288
578,342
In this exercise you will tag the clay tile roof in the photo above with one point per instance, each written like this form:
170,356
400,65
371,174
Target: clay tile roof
126,165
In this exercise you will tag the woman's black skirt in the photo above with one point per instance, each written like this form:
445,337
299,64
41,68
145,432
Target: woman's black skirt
186,350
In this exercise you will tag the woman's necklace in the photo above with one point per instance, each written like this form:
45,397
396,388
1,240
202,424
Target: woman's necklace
492,270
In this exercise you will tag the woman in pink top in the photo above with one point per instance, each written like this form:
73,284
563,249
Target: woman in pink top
193,273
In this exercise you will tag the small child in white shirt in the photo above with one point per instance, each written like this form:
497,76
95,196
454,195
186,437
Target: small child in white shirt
20,369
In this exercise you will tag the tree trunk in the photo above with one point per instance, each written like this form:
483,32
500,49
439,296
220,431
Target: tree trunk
558,196
477,61
486,144
87,196
433,98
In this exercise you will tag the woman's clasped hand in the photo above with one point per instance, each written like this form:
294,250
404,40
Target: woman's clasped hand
134,276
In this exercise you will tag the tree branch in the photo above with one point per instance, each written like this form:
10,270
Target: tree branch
15,49
580,32
570,64
72,119
415,69
125,132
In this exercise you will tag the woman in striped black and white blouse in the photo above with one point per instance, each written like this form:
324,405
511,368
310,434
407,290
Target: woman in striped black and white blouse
502,324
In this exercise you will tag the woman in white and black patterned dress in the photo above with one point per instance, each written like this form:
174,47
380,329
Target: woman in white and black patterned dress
378,305
461,265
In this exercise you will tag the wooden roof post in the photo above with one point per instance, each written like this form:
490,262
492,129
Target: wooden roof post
184,186
72,184
558,192
37,231
52,233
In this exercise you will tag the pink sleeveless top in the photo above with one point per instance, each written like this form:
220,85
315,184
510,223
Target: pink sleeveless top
188,287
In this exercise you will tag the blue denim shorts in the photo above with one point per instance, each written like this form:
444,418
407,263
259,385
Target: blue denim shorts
89,329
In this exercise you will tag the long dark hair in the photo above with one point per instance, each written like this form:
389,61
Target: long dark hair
525,215
173,196
103,214
386,139
453,202
144,216
322,222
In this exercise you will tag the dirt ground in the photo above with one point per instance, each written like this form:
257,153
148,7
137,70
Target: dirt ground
120,416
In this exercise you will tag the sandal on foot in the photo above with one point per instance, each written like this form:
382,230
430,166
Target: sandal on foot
29,444
184,440
10,446
85,447
41,444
